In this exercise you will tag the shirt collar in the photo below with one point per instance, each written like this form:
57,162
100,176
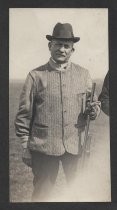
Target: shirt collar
59,67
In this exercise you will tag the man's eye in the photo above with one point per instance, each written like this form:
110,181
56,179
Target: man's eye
58,45
61,45
66,46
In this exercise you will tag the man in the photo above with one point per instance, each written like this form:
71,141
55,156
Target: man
104,95
52,99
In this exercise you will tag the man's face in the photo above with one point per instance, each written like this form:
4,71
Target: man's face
61,50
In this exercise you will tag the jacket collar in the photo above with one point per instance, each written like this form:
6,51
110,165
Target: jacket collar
59,67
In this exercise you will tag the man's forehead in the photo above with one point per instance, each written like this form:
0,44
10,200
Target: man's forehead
62,42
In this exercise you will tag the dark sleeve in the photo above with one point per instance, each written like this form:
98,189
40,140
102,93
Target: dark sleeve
104,95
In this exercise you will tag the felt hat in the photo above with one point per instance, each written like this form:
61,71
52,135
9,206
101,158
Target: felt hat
63,32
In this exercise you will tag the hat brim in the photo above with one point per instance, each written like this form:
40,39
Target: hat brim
74,39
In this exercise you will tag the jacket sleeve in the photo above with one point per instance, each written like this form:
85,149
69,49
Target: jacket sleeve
24,116
104,95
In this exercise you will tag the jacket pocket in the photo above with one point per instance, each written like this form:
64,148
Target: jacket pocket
40,131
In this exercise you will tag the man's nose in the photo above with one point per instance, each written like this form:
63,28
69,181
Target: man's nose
62,49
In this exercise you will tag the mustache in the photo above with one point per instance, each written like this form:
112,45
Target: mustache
60,53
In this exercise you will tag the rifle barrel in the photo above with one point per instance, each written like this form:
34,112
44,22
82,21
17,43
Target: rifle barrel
88,119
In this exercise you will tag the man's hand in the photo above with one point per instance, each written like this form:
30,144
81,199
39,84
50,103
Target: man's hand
93,109
26,157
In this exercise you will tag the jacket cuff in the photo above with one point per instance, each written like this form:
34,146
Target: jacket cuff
24,141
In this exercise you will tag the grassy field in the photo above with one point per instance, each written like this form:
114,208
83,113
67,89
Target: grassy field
93,182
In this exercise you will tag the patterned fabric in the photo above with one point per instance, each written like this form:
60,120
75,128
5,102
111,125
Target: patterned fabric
50,104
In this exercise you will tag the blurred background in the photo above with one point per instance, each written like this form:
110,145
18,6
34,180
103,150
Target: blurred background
28,46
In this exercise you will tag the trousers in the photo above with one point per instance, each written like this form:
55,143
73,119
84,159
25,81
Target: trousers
45,170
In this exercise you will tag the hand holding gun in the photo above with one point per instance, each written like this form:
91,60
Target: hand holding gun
90,114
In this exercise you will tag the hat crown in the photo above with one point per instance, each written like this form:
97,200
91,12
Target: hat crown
63,31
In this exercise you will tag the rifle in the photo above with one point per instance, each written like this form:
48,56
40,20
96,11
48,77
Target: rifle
85,148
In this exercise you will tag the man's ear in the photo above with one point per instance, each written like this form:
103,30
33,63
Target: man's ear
73,49
49,45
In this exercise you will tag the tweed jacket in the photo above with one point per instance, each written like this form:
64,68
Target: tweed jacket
50,103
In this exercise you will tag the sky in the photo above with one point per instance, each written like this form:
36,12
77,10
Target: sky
28,46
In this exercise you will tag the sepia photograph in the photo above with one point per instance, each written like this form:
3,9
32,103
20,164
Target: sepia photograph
59,129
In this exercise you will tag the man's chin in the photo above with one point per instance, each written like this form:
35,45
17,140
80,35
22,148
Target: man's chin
60,61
